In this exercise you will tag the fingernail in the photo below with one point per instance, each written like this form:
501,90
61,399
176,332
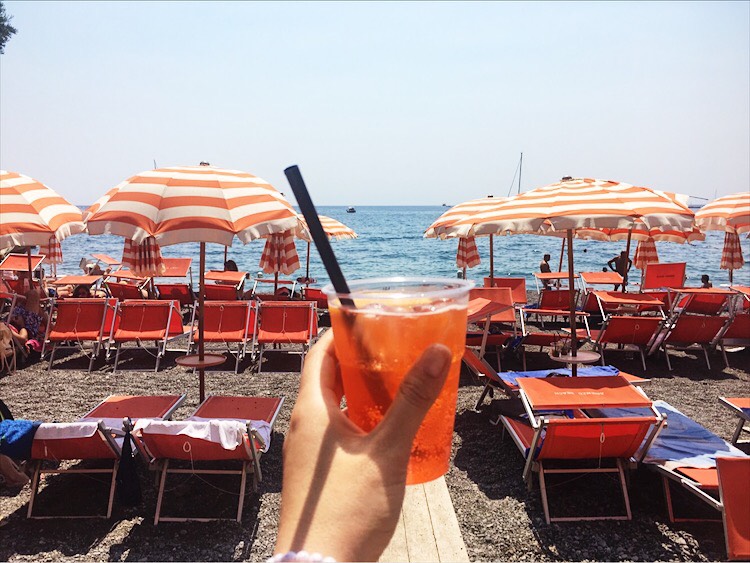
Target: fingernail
437,359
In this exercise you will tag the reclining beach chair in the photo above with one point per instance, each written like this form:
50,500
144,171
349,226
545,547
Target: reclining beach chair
740,406
180,292
221,429
736,333
734,494
92,437
503,323
663,275
81,321
286,322
229,322
684,331
627,331
558,430
589,302
517,287
701,301
123,291
316,295
228,286
144,320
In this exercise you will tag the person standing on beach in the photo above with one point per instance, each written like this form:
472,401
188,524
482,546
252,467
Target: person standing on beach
621,264
545,269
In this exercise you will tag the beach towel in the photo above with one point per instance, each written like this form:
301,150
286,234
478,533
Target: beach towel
16,437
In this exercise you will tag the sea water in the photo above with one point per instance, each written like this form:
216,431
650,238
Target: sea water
391,243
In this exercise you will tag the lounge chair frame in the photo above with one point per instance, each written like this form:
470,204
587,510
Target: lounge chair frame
311,329
249,324
743,418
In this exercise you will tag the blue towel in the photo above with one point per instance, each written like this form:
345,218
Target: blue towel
510,376
16,437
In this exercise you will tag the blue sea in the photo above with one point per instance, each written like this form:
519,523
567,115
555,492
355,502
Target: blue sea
390,242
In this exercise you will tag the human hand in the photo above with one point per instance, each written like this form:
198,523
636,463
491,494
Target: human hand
343,488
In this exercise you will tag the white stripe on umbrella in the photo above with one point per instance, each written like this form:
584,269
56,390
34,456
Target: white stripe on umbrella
730,213
143,259
731,254
645,253
467,255
31,213
280,254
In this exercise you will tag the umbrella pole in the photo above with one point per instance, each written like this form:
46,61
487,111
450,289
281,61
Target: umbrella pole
307,265
571,281
492,263
275,282
226,252
731,272
627,251
562,253
31,277
201,349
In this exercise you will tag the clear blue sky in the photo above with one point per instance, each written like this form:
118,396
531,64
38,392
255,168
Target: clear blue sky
380,103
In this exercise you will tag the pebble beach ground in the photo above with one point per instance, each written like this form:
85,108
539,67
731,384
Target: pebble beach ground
499,518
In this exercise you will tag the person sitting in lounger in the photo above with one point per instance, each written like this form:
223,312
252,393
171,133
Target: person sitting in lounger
545,269
29,322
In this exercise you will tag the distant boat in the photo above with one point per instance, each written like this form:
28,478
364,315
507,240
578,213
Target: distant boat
351,210
446,205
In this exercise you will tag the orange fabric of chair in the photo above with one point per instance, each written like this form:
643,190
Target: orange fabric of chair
81,319
124,291
601,278
167,446
176,267
628,330
556,299
704,301
734,476
523,431
181,292
739,402
517,287
287,321
580,438
147,320
227,321
664,274
695,329
706,477
225,276
617,298
317,295
239,408
582,392
92,447
475,339
218,292
20,262
134,406
739,328
500,296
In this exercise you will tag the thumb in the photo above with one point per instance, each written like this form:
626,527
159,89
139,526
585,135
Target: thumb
415,396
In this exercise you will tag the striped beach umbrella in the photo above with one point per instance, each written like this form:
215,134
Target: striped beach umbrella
31,213
279,254
731,254
731,214
444,227
645,253
52,253
467,255
575,203
143,259
193,204
334,229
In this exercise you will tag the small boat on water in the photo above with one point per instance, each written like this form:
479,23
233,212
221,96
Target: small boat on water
351,210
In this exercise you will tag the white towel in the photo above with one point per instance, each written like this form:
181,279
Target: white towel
65,430
229,433
260,426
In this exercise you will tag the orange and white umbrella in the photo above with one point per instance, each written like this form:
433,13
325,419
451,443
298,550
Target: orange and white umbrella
279,254
580,203
333,229
31,213
444,227
730,213
193,204
52,251
143,259
467,255
645,253
731,254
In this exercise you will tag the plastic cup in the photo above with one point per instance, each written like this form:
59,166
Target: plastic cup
377,340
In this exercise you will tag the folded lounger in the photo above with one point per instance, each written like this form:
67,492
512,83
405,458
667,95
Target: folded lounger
221,429
286,322
142,320
555,441
79,321
93,436
229,322
740,406
507,381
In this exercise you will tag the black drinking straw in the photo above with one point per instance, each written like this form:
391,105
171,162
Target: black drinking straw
318,234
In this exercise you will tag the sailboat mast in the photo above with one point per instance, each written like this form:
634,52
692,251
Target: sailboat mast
520,171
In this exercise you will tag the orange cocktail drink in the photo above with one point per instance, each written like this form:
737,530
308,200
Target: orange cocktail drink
380,330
